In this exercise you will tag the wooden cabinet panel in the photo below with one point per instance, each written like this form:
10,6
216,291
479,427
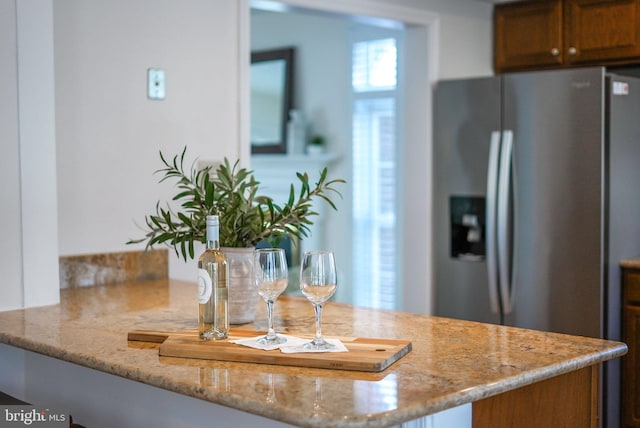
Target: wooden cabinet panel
538,34
528,34
537,405
597,30
631,336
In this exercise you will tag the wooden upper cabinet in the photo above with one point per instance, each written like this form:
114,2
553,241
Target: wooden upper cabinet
601,30
540,34
528,34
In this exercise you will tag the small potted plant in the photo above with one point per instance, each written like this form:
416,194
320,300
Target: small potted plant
246,218
316,145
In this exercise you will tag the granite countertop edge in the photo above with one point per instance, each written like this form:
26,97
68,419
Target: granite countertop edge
126,367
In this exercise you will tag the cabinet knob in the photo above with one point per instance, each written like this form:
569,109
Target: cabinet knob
555,51
572,51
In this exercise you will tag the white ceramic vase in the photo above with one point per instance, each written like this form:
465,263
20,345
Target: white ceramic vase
314,149
243,296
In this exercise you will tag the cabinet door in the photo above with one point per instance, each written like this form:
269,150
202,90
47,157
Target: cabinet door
528,35
631,368
631,362
601,30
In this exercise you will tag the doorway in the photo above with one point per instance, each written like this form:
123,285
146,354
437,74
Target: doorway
324,40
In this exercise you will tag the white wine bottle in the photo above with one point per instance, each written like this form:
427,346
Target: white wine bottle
213,293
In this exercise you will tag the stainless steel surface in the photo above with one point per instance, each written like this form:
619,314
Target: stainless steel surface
467,113
573,210
492,198
622,208
558,123
504,223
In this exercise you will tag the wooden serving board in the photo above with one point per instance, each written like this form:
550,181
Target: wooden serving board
365,354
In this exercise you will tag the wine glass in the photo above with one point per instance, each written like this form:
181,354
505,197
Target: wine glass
318,282
271,279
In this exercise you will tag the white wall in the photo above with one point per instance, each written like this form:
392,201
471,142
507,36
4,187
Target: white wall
10,211
109,133
465,33
461,55
28,256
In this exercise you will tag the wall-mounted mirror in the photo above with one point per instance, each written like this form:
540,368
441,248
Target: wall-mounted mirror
271,99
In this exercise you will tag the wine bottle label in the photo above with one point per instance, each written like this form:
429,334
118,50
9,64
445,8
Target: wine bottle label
204,286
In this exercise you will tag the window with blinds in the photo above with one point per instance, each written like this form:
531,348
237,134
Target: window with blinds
374,80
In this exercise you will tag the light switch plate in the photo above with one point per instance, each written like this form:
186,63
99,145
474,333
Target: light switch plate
155,84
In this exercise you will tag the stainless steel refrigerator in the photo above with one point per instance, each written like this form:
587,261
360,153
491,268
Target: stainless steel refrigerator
537,199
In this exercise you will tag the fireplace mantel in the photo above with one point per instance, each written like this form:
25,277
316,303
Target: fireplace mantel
277,164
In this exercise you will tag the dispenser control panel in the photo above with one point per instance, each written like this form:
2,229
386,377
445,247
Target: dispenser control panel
467,227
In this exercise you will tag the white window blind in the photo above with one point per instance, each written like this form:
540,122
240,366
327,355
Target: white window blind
374,173
374,65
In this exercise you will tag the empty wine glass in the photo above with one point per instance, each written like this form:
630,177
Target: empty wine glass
318,280
271,279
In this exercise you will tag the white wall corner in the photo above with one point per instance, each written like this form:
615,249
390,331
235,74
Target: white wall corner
244,64
10,210
36,108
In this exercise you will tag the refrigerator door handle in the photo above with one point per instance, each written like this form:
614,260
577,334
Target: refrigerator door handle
492,192
504,192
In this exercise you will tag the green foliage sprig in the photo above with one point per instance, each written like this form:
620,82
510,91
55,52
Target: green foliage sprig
231,192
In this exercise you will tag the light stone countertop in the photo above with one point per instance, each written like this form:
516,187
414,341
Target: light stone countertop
452,362
630,263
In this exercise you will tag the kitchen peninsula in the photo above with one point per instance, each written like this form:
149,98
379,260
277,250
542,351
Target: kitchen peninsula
511,375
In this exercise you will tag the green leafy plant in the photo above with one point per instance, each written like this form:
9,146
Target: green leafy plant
231,192
317,140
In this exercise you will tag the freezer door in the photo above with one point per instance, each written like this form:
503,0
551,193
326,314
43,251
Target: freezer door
466,114
557,120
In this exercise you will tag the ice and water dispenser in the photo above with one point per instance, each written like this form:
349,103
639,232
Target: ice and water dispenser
467,227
